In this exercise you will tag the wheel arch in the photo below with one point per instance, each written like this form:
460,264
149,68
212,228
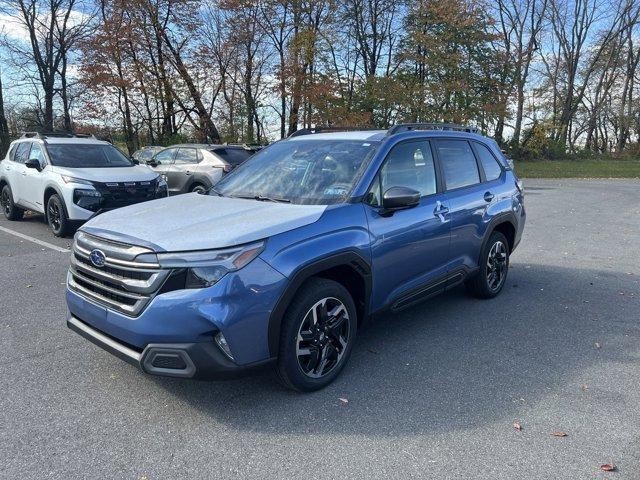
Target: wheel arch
199,180
504,223
49,191
347,268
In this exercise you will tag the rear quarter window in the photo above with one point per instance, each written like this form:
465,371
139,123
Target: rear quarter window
489,163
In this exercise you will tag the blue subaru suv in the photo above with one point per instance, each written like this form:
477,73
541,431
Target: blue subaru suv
292,252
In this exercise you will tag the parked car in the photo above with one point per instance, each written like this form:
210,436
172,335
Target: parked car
71,179
293,251
197,167
145,153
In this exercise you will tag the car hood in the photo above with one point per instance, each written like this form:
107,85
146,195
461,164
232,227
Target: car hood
136,173
200,222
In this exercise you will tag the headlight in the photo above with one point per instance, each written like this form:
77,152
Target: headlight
88,199
68,179
161,188
207,267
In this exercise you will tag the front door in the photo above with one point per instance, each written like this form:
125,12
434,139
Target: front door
410,248
33,180
18,174
162,163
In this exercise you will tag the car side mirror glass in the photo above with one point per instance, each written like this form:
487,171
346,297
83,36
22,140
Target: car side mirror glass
33,163
398,198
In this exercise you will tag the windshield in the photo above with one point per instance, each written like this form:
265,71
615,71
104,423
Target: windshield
300,171
86,156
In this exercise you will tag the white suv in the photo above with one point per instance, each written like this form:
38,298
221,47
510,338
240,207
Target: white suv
71,178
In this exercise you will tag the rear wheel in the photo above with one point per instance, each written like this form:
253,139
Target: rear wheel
11,210
318,332
199,188
494,266
57,216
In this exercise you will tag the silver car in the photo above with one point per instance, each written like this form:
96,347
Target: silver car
197,167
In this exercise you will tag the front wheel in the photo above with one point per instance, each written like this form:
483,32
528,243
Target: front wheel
318,332
57,216
11,210
494,266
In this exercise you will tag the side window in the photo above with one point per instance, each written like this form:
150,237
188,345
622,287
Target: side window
36,152
458,163
165,157
489,163
22,152
409,164
186,155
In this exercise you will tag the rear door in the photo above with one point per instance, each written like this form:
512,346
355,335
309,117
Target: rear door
465,194
179,177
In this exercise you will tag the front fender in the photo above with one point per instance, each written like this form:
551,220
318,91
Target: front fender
339,237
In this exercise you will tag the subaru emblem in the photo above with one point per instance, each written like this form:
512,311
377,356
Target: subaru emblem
97,258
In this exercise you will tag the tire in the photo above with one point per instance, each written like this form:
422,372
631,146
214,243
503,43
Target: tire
312,355
11,210
57,216
494,267
198,188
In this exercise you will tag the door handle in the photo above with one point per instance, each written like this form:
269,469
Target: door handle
440,211
488,197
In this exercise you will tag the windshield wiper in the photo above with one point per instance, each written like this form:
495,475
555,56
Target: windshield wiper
262,198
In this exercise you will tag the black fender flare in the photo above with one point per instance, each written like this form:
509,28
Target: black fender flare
504,217
201,179
349,258
60,196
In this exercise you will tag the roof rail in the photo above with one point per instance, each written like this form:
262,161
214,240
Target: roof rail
45,135
330,129
407,127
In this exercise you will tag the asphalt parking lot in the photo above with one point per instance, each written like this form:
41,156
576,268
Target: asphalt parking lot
433,392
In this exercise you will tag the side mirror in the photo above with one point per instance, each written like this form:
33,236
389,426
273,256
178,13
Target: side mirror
152,163
33,163
135,161
399,198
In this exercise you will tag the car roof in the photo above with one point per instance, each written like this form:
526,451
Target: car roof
210,146
64,140
372,135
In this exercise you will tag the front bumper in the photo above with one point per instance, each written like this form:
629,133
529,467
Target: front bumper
200,360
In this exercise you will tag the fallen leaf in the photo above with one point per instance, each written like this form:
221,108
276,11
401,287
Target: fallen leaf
597,345
371,350
343,400
29,286
608,467
559,434
584,387
517,426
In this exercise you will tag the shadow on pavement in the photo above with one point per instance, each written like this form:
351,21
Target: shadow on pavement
451,363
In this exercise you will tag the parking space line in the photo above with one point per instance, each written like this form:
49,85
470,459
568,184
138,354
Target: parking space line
35,240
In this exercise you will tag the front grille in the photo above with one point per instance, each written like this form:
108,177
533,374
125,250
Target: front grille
121,194
128,280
